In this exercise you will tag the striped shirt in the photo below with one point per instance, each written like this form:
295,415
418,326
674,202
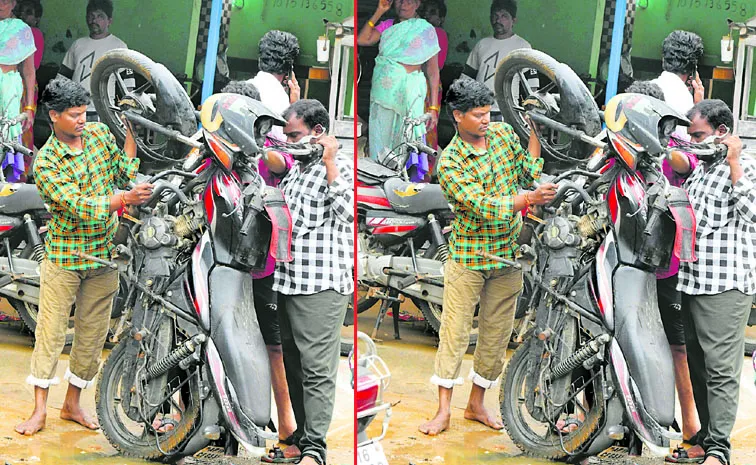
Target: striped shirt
77,186
481,186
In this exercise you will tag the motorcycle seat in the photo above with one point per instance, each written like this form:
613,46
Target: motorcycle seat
18,198
415,198
373,173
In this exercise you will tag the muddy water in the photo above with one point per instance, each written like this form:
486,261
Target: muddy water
411,362
65,443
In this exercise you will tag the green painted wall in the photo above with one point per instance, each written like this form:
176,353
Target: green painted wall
303,18
158,28
562,29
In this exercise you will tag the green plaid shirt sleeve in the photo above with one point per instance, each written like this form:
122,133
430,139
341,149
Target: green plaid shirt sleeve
481,185
77,186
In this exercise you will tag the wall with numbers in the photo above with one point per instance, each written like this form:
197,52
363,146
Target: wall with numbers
707,18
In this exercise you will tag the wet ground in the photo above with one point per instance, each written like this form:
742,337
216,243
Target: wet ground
411,363
65,443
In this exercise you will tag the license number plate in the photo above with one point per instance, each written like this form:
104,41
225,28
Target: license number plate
371,454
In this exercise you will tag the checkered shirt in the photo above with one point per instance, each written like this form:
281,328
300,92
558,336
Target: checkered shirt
481,186
726,231
77,185
322,236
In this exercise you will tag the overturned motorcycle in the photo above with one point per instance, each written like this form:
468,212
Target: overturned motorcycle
595,376
191,369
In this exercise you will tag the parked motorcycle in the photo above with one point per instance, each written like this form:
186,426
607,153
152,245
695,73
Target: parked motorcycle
193,356
401,242
370,385
596,371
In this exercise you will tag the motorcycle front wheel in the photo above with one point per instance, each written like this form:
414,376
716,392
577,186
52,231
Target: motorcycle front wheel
117,397
534,436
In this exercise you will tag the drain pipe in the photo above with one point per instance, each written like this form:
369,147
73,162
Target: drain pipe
211,56
615,54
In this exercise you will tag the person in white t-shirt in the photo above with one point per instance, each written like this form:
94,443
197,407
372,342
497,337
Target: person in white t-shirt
85,51
679,80
278,51
487,54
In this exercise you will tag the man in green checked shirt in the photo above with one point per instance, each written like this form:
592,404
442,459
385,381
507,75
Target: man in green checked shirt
481,172
77,172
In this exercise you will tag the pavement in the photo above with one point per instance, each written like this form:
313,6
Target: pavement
411,363
65,443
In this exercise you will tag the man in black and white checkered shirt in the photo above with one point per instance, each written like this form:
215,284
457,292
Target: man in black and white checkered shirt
315,287
718,288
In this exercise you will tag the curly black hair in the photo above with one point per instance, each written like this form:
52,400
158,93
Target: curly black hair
62,93
311,111
510,6
34,4
245,88
427,5
465,94
714,111
278,50
649,88
681,51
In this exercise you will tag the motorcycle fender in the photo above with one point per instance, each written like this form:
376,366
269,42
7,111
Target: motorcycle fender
640,335
614,415
237,355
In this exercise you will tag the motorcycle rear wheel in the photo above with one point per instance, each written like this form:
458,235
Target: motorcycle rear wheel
158,96
543,441
571,105
131,438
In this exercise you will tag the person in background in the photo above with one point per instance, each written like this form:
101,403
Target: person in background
487,54
85,51
30,11
275,76
17,78
679,80
434,11
676,169
407,61
718,288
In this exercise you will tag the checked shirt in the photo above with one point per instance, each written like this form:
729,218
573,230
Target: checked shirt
481,185
77,186
322,233
726,231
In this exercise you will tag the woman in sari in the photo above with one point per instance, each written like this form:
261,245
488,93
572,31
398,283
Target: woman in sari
17,76
30,12
407,57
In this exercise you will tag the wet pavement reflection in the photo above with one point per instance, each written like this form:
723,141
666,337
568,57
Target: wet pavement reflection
411,363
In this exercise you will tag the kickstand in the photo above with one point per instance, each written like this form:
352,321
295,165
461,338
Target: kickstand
391,300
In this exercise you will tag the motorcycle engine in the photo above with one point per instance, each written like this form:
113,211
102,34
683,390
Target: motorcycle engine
594,221
155,233
559,233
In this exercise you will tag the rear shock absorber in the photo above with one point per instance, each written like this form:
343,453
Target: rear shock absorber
438,237
35,240
575,360
186,349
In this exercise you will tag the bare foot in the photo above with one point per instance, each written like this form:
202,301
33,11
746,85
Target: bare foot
481,415
34,424
436,425
79,416
711,460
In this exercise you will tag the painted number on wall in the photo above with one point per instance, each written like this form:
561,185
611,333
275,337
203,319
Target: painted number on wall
328,6
738,7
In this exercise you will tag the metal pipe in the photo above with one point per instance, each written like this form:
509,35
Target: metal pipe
211,55
615,54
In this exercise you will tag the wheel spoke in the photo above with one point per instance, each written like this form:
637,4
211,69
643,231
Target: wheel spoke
524,83
121,84
546,88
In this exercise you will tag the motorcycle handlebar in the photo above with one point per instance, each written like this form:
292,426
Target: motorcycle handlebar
701,150
15,147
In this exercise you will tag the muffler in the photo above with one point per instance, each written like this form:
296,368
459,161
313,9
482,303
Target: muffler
393,272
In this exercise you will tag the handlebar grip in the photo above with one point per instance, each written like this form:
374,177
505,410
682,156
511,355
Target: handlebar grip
426,149
20,149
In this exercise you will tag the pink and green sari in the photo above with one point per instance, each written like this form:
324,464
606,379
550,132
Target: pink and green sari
395,93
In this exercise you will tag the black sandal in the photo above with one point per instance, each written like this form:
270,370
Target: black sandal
682,457
289,441
278,457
